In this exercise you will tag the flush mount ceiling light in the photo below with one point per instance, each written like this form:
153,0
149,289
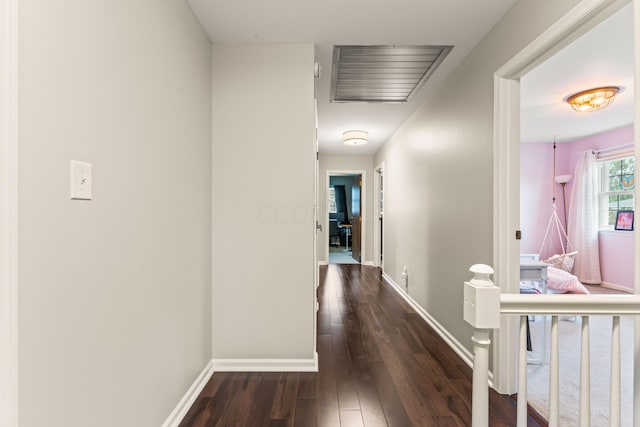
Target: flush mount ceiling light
593,99
355,137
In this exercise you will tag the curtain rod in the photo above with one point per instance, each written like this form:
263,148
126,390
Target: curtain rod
607,150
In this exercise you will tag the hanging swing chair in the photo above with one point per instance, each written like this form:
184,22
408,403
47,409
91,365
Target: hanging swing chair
565,260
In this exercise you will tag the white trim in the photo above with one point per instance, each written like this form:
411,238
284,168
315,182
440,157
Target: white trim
506,162
316,222
446,336
616,287
618,232
506,220
569,305
9,214
213,210
266,365
320,263
377,172
636,268
363,202
368,263
177,415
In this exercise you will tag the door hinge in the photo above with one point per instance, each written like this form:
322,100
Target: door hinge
518,235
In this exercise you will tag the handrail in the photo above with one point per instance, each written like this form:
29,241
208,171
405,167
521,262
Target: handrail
570,305
484,305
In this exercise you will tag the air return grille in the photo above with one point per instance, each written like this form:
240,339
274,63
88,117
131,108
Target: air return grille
382,73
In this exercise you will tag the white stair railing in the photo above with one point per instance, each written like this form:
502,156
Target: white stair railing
483,306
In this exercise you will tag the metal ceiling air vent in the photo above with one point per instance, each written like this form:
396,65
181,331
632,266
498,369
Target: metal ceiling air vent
382,73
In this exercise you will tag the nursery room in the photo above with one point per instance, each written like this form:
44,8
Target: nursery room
577,159
577,202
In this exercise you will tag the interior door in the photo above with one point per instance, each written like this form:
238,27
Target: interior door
356,218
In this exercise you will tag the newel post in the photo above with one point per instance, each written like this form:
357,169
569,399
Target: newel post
482,311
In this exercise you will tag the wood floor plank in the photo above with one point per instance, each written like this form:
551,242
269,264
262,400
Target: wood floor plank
307,385
213,385
306,413
327,401
240,400
380,364
346,385
199,414
285,396
389,397
351,419
260,409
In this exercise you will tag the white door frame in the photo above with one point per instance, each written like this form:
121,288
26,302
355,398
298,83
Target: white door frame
9,213
363,201
377,248
506,176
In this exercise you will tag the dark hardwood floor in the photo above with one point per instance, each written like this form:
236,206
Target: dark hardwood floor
380,365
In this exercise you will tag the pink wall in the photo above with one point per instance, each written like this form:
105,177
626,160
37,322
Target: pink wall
536,188
616,258
536,195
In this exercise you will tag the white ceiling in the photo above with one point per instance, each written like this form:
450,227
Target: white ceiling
601,57
326,23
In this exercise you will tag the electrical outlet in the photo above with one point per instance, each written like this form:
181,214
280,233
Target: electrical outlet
80,180
405,277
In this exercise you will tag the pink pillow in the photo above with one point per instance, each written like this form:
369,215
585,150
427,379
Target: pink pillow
562,281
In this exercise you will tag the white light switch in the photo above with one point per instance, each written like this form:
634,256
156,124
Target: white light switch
80,180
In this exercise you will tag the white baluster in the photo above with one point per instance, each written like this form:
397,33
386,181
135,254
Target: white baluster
480,390
554,377
614,402
585,376
522,374
482,311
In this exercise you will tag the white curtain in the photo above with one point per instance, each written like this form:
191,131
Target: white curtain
583,219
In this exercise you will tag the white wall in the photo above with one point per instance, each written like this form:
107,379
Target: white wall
114,312
263,271
438,173
345,163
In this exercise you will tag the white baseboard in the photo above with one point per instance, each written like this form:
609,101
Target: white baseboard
323,263
368,263
178,414
455,345
616,287
266,365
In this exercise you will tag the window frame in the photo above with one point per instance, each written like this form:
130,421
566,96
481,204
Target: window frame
604,193
331,200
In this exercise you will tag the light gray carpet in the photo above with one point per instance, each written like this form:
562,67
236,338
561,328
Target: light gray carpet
340,255
600,344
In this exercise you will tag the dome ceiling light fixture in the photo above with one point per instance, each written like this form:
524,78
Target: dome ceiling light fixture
355,137
593,99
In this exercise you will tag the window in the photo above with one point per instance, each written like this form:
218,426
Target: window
332,200
617,184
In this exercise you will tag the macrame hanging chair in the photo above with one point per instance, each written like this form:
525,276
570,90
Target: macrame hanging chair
564,260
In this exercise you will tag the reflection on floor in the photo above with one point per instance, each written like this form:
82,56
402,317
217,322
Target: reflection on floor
339,255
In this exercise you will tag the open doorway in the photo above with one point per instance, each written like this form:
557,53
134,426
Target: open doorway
345,213
577,170
507,137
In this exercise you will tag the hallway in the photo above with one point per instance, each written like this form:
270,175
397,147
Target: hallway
380,365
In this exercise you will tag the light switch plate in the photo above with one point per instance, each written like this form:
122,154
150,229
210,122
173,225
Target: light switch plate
80,180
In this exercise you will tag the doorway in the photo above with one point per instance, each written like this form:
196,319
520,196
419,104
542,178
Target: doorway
578,21
345,193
